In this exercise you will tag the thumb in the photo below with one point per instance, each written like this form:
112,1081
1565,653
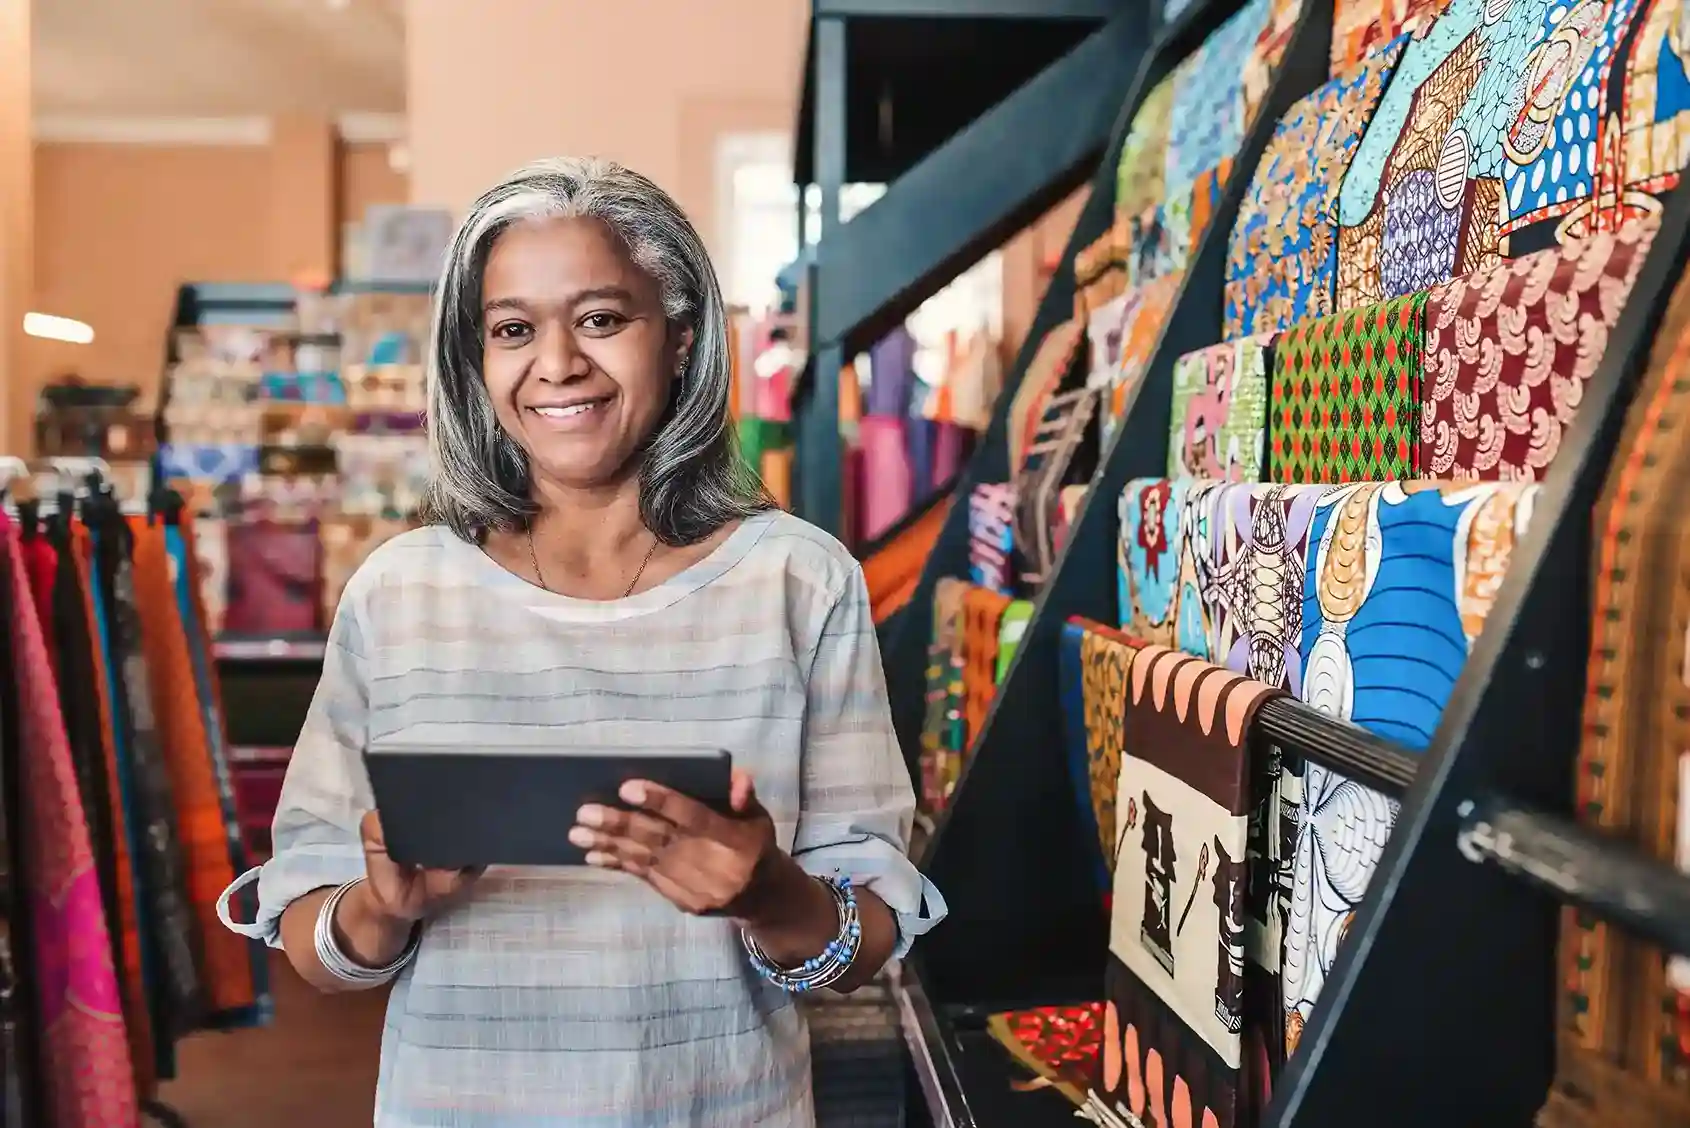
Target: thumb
742,794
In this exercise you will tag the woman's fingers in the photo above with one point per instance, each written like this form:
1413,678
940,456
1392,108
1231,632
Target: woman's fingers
687,814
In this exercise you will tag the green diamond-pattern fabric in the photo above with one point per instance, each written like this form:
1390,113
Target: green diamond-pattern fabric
1345,396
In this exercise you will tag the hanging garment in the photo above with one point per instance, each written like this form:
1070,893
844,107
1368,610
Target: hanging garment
1346,396
1177,930
887,480
95,700
84,1049
991,537
204,828
1162,566
1509,350
1219,412
1624,1020
274,574
1060,1045
891,374
172,973
1384,655
23,1079
982,611
180,541
1282,259
1362,30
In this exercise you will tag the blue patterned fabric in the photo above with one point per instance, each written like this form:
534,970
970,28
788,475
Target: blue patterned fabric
1207,116
1070,673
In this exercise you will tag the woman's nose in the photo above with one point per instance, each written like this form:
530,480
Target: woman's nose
560,357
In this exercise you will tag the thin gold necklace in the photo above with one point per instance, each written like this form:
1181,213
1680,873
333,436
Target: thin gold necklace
534,559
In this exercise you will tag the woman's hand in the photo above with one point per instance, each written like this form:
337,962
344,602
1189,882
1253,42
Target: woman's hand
406,894
701,861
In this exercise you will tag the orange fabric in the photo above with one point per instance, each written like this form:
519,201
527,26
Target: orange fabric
850,394
227,966
982,610
894,570
136,1016
776,473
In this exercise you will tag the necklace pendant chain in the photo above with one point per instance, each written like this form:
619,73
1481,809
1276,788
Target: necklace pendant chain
534,559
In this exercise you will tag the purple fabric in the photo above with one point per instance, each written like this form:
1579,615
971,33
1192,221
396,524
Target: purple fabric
920,436
891,374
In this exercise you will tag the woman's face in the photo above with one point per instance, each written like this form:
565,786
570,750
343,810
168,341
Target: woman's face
577,353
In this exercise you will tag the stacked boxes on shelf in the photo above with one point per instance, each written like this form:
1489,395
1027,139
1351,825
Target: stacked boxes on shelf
298,442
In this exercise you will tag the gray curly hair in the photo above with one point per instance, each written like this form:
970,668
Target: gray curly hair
692,480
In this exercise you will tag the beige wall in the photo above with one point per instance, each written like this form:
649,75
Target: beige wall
113,257
651,83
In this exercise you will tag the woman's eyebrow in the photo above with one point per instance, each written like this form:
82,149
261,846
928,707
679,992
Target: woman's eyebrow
596,294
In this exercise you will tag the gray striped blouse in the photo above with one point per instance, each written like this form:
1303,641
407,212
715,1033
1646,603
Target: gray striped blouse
574,996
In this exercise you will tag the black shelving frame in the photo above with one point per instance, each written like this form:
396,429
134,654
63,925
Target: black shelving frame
1440,1006
947,210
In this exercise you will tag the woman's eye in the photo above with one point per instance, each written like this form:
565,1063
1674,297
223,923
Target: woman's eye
511,331
602,322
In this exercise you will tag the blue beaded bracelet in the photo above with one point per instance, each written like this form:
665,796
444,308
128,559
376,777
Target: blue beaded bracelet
833,962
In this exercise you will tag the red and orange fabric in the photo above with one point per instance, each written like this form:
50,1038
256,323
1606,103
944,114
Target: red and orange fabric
137,1017
204,836
1061,1045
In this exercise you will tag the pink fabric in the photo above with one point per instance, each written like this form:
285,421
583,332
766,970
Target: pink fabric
949,452
85,1048
886,477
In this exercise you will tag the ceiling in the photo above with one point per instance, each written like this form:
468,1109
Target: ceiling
217,58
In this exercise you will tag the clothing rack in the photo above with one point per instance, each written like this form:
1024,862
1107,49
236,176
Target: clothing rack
78,487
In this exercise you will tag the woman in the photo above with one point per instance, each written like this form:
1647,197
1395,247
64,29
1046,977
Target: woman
600,571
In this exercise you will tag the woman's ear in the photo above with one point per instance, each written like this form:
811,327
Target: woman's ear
683,349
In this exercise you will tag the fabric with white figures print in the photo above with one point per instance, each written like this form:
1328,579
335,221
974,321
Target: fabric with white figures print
1400,578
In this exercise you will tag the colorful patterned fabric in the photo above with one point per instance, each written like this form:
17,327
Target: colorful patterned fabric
1282,263
1361,28
1400,578
1106,657
1603,130
1177,929
1620,1010
1141,332
1207,112
1055,355
1011,628
1509,350
1346,395
1142,171
982,610
90,1079
1064,431
1162,562
1061,1045
1422,202
991,536
1220,412
942,731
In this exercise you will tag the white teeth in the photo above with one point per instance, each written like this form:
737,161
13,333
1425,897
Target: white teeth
564,412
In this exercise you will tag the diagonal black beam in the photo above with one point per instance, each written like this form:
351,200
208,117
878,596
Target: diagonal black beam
969,195
969,9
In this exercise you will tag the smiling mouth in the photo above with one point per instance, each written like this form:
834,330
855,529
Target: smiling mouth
570,411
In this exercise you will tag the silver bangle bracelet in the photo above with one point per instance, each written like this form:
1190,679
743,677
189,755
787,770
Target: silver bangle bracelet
337,963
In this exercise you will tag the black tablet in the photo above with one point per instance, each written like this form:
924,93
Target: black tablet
445,808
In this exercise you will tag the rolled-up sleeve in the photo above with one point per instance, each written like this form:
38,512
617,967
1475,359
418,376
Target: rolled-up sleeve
857,805
326,791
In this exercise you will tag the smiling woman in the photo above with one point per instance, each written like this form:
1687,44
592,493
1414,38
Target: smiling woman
602,574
